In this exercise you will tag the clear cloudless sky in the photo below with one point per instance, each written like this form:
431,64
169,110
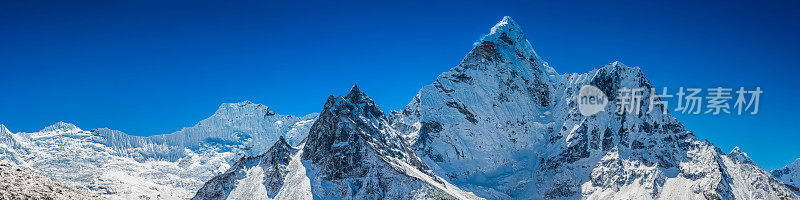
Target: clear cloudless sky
151,67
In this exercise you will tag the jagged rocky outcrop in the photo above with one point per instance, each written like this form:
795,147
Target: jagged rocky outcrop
116,165
351,152
790,175
505,125
20,183
487,111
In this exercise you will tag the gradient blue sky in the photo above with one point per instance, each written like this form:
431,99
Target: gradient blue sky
149,67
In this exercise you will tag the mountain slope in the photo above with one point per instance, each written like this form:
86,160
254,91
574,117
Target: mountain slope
251,177
19,183
120,166
790,175
477,117
504,124
351,153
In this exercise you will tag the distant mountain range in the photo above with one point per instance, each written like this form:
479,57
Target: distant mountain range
502,124
172,166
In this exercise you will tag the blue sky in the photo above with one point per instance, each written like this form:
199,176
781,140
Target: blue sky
150,67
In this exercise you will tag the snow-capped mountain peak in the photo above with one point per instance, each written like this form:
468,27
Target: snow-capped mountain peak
59,128
359,123
506,31
739,155
243,109
121,166
252,177
508,26
795,164
790,175
614,65
241,125
505,125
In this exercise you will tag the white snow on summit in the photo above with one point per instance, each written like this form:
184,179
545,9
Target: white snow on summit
56,129
790,175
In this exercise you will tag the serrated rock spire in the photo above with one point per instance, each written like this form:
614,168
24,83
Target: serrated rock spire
349,125
356,96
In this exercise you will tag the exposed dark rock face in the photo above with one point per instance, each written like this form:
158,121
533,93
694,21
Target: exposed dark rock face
352,128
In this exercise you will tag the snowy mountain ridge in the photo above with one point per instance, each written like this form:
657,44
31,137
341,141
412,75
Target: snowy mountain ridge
173,166
790,175
56,129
